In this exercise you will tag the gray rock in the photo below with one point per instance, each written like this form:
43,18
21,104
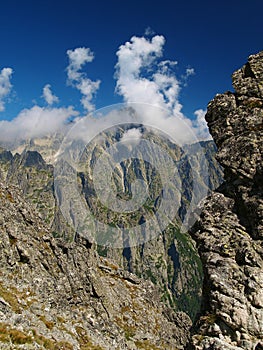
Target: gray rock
229,232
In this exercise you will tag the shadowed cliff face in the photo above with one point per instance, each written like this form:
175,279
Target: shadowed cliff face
230,230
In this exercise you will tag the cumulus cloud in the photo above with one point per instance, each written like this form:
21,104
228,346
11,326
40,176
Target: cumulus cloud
35,122
159,86
5,85
88,88
77,59
142,77
49,97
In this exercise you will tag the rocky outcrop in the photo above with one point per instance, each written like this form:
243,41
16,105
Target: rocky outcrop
59,295
230,230
6,158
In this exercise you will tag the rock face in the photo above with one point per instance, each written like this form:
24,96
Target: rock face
229,232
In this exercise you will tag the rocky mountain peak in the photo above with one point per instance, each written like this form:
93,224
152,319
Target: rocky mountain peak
32,158
5,155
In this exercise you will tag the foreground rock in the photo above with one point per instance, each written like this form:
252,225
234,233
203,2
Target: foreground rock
230,230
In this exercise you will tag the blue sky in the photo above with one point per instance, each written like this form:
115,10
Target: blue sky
213,38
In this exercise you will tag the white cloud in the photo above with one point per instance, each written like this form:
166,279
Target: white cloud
165,66
88,88
49,97
142,77
136,54
35,122
149,31
189,72
159,88
131,137
5,85
201,125
77,59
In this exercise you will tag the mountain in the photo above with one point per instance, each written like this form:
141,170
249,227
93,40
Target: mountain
229,232
165,258
48,271
47,145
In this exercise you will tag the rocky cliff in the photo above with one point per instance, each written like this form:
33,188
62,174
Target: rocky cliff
230,230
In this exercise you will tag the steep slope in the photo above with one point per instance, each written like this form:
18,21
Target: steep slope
56,295
230,230
29,172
